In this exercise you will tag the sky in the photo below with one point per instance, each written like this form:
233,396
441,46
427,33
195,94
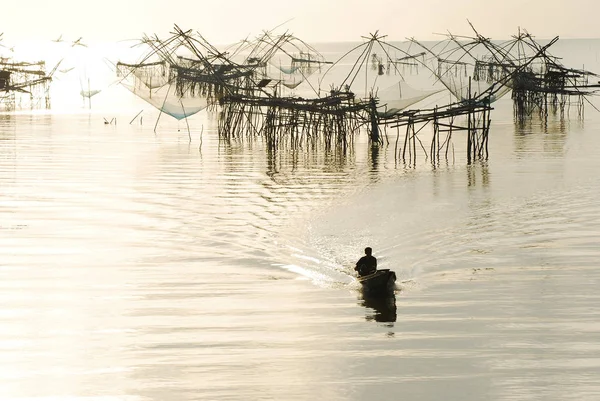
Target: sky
228,21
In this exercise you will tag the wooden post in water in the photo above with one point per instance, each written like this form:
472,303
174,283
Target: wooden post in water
488,121
469,143
397,138
406,138
449,139
431,151
374,121
414,135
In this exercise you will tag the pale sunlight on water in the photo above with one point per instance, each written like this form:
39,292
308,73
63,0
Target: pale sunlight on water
138,266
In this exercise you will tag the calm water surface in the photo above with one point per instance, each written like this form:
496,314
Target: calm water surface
136,266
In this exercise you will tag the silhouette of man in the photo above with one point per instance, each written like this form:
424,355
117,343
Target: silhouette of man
367,264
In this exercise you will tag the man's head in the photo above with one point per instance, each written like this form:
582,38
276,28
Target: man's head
368,251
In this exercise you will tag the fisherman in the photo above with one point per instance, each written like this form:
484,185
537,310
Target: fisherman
367,264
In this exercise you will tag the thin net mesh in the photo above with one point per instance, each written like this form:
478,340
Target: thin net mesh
89,93
152,75
459,87
399,96
166,100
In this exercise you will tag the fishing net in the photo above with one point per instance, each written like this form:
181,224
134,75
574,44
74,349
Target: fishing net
89,93
293,70
284,58
400,96
458,85
153,75
166,99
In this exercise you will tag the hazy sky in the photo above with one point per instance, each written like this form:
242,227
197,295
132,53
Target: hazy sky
225,21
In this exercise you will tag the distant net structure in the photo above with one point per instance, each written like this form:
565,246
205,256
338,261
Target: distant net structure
152,83
287,59
391,103
397,63
24,85
154,78
282,104
247,85
278,88
536,79
546,85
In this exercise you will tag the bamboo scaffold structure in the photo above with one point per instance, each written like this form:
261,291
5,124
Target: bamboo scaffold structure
253,103
204,75
179,84
24,84
385,95
334,116
254,86
444,123
292,59
252,100
475,107
293,122
538,82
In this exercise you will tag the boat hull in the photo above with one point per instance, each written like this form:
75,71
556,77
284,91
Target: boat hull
381,282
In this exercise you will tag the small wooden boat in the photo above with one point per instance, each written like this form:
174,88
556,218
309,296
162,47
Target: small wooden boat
381,282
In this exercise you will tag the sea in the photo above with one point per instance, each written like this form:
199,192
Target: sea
144,259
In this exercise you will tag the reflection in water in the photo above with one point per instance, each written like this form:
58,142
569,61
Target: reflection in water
272,167
374,157
547,133
476,172
8,150
383,307
336,159
167,267
170,268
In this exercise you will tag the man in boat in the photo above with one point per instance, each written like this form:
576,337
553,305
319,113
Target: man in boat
367,264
